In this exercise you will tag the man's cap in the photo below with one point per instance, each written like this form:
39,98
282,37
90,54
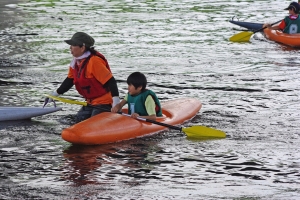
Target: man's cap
295,6
81,39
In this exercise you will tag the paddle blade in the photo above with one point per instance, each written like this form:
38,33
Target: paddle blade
241,37
203,131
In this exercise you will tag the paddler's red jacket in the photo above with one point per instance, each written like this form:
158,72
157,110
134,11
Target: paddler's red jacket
95,68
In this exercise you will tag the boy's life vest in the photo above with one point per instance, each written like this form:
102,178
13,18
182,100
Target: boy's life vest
291,24
139,103
89,88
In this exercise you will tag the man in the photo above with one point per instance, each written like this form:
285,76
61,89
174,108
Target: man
90,73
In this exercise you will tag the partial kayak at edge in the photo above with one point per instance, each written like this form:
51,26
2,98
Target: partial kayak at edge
9,113
292,40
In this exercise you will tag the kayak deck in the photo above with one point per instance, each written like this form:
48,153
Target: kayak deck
113,127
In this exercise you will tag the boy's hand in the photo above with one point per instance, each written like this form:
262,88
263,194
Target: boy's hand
115,109
135,115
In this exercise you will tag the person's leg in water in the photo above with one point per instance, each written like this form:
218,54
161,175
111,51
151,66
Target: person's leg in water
86,112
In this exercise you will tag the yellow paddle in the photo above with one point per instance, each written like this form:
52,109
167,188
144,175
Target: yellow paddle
192,132
246,35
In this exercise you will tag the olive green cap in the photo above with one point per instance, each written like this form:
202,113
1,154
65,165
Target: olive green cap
81,39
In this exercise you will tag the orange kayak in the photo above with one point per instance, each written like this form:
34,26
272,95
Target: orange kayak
292,40
112,127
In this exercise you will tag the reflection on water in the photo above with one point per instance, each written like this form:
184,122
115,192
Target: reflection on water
92,164
248,90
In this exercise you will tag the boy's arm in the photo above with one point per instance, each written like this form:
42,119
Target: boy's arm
280,26
150,105
150,108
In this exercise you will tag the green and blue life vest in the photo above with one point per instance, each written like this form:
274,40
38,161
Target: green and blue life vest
292,25
139,103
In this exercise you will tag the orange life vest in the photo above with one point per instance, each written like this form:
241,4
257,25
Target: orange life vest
89,88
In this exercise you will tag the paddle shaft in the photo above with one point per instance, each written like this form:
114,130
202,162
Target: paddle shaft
266,27
155,122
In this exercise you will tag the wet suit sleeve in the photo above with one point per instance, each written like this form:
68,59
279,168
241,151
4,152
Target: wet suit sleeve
65,86
111,84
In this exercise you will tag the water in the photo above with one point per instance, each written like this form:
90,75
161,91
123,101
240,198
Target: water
248,90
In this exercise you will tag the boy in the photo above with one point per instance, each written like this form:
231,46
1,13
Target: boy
291,23
141,101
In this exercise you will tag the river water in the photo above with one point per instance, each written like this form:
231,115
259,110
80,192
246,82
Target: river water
249,90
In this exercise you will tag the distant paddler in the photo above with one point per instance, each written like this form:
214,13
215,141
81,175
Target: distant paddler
290,24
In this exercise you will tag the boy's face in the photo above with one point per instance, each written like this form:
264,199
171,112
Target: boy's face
134,91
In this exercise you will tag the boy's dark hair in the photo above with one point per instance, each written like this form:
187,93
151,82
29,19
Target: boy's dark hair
137,79
294,6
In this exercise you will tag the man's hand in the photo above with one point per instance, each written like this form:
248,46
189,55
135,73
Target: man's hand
49,100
